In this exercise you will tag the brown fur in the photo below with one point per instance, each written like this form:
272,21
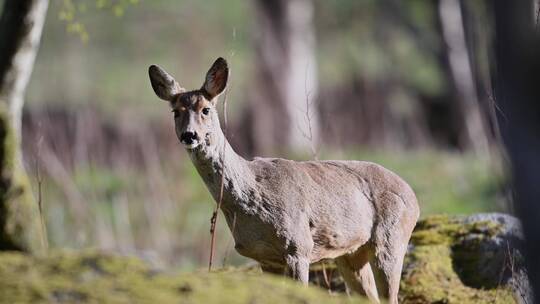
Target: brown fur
289,214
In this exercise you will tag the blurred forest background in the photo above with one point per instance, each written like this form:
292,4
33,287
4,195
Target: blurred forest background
402,83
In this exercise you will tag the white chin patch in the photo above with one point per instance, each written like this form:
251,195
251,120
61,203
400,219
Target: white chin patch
192,145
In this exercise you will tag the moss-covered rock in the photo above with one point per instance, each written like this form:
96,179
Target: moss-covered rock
19,214
92,277
458,259
475,259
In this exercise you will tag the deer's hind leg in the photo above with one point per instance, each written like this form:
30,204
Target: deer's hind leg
356,271
391,236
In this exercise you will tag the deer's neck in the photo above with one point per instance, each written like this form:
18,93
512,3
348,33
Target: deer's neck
218,163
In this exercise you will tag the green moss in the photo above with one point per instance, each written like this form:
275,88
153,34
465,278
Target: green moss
19,214
443,229
429,276
433,280
92,277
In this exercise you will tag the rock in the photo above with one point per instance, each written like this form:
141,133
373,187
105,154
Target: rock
93,277
458,259
473,259
494,261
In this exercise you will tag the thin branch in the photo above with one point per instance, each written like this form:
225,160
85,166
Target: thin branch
213,220
314,151
308,116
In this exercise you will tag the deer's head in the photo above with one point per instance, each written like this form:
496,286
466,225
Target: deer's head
195,114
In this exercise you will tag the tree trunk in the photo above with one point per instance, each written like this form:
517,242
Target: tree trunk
517,76
281,102
475,133
21,25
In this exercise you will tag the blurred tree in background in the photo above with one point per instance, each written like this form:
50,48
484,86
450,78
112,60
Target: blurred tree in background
21,25
281,111
516,68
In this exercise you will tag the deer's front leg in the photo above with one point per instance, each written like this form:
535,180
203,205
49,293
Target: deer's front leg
298,268
298,250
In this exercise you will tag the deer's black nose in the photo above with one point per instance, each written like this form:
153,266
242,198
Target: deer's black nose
188,137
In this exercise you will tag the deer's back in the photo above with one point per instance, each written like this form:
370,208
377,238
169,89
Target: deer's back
315,184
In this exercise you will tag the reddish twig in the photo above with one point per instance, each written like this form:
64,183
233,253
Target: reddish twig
213,220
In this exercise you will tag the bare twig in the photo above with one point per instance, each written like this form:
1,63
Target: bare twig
308,116
314,151
213,220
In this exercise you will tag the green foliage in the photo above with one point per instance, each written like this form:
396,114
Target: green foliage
430,276
71,9
445,230
92,277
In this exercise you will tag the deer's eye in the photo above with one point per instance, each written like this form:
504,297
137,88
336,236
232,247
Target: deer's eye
206,111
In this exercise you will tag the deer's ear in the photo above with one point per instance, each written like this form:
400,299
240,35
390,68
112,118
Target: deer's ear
164,84
216,78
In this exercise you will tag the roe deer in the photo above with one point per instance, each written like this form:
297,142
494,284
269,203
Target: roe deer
288,214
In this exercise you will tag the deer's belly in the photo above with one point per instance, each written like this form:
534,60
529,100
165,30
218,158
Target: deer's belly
257,240
338,237
326,247
262,252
